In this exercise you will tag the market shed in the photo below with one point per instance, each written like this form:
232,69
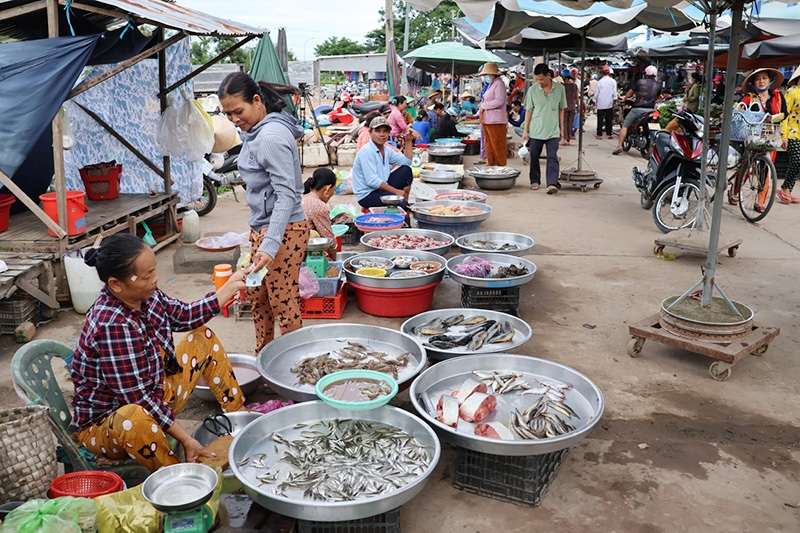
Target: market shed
120,45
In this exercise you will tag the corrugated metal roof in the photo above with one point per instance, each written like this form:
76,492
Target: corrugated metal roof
177,17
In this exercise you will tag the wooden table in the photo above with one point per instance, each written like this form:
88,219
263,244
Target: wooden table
33,274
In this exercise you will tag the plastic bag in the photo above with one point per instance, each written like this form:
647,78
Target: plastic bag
168,136
309,286
226,241
200,134
344,183
269,406
343,213
61,515
67,138
474,267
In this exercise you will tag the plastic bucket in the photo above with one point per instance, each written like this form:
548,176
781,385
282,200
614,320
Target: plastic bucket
76,211
6,200
394,302
338,231
222,273
84,283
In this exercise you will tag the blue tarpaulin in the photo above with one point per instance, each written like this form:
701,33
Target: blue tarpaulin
35,78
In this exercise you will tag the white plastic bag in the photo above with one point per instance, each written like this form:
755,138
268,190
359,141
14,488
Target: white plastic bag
67,138
200,134
168,137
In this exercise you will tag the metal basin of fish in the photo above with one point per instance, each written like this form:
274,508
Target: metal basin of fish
256,439
418,211
390,282
584,398
413,233
522,333
494,241
438,176
497,260
246,375
493,172
278,357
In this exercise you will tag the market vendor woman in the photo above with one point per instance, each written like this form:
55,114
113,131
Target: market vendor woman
130,378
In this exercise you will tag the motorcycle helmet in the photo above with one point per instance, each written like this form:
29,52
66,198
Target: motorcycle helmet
452,111
651,71
346,98
566,73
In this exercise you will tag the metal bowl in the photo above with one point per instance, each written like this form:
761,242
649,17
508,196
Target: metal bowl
180,487
318,244
444,219
496,184
496,260
249,385
522,335
278,357
438,176
395,283
404,261
437,235
392,199
484,172
374,262
523,242
256,439
584,397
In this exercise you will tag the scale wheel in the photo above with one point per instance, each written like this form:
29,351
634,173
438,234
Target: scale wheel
732,251
760,350
635,346
657,249
719,376
583,188
596,185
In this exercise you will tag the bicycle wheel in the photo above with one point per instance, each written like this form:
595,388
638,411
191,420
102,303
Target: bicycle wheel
757,186
670,216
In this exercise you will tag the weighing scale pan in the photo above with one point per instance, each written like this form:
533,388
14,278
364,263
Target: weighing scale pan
392,199
180,487
318,244
585,398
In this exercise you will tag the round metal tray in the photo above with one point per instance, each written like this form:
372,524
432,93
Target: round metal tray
584,398
446,194
496,260
446,151
256,439
277,358
523,242
438,235
204,393
436,176
500,184
450,143
522,335
444,219
395,283
476,172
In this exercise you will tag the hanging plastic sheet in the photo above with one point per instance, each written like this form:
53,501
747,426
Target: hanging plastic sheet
35,78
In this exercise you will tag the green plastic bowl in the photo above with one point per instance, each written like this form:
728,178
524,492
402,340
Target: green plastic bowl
339,229
343,375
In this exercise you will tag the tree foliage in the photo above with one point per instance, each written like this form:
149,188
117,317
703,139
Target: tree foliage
424,28
338,46
204,49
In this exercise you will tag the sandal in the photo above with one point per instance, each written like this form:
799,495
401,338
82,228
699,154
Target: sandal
565,143
617,151
598,136
785,197
760,208
535,187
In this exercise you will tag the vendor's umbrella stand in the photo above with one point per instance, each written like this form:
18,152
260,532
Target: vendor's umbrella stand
696,321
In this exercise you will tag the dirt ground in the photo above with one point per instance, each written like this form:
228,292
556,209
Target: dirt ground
720,456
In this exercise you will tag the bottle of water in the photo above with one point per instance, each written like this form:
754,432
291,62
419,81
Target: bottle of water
191,226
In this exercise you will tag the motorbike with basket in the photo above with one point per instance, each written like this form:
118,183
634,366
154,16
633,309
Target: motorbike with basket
671,183
219,170
639,133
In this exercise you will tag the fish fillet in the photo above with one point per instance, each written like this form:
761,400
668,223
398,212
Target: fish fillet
469,387
477,407
494,430
447,410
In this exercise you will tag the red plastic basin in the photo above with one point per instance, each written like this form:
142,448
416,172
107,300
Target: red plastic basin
395,302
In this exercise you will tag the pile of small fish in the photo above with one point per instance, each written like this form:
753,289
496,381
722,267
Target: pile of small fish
375,262
405,242
353,356
541,420
343,460
477,332
479,244
495,171
502,382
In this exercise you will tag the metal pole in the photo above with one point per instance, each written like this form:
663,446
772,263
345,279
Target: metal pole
719,195
403,81
699,220
580,101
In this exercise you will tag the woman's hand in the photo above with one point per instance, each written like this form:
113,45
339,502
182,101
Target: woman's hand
261,260
234,284
194,450
784,144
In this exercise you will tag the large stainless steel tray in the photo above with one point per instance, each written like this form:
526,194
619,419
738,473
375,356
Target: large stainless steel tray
497,260
447,144
438,235
436,176
446,151
584,397
256,439
277,358
523,242
444,219
482,172
521,336
395,283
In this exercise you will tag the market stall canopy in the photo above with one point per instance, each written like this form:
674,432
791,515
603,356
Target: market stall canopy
450,56
43,71
699,51
780,47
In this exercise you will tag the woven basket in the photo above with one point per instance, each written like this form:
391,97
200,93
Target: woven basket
27,453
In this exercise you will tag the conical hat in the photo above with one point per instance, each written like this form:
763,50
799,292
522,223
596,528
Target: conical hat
224,134
794,77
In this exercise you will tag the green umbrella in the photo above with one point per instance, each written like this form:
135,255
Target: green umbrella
267,67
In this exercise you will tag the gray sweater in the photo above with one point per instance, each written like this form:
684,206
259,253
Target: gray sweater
270,166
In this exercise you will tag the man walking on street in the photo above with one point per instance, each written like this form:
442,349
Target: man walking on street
544,125
605,97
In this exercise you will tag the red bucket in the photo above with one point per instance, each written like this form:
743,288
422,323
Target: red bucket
395,302
76,211
6,200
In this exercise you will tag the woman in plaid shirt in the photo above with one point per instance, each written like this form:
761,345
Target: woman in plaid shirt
130,379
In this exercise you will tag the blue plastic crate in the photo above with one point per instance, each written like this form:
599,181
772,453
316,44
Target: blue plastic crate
456,230
329,287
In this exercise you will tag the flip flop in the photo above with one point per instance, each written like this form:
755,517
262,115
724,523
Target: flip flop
610,136
534,187
617,151
598,136
564,144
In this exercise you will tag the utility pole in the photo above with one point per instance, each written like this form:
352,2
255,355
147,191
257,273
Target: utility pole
389,23
403,81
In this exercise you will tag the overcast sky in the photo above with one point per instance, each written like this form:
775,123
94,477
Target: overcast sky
307,22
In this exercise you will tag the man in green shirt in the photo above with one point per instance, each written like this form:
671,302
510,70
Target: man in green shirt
544,123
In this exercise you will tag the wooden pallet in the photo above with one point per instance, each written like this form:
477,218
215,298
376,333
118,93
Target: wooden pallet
726,354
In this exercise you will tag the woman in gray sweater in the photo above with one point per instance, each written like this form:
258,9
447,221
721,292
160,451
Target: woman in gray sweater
270,166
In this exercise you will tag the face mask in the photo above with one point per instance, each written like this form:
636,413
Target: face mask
487,79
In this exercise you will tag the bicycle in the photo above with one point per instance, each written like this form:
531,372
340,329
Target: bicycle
754,182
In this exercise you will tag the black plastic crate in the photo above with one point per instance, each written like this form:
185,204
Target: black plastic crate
353,235
446,159
388,522
512,479
16,310
505,300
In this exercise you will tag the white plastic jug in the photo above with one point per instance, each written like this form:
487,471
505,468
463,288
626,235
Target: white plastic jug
84,283
191,226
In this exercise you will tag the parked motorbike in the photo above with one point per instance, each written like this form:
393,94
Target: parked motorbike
639,133
219,170
671,183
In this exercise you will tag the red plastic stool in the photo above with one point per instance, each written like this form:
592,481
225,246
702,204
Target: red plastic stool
241,296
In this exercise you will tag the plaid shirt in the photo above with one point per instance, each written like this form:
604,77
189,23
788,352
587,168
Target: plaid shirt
119,359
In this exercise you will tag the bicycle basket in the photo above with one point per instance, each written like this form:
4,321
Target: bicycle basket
764,136
741,121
